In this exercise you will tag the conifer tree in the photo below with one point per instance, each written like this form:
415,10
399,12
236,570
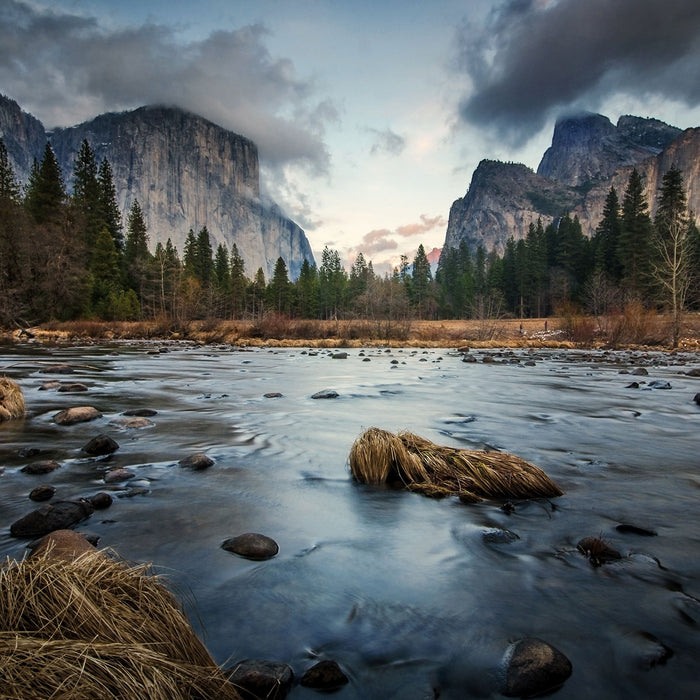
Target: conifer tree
136,254
308,291
109,209
635,236
9,189
421,281
86,194
46,193
607,238
239,282
279,289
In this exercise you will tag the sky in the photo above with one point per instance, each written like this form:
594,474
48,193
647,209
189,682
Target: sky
370,116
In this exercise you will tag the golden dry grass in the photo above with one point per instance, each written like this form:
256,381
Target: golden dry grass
379,457
11,400
96,628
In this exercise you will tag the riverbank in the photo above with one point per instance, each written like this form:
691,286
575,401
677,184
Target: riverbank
637,330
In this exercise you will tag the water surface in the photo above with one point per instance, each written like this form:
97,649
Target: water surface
409,594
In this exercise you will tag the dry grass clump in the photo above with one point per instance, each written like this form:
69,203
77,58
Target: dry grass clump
94,628
379,457
11,400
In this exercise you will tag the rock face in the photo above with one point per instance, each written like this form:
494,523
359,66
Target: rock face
186,172
588,155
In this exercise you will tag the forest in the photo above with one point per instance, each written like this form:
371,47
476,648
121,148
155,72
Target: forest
67,256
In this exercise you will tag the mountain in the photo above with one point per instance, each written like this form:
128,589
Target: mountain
185,171
588,155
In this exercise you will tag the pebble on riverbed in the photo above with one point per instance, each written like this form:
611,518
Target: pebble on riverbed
252,545
534,667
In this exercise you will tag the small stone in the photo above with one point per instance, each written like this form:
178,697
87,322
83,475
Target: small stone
696,398
29,452
141,412
44,467
325,675
339,356
695,372
42,493
197,461
633,385
46,386
533,668
273,395
262,679
658,384
252,545
57,369
636,530
640,372
132,422
101,500
53,516
325,394
77,414
115,475
101,445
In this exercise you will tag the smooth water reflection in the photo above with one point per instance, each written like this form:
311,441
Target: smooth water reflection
407,593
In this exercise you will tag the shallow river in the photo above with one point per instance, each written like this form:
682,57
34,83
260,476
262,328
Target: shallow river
408,594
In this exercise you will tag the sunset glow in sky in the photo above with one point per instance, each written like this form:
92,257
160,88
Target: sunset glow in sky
370,116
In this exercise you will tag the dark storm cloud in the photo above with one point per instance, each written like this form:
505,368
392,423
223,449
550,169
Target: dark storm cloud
537,57
67,68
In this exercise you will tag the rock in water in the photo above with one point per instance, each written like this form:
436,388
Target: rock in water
262,679
56,516
252,545
77,414
101,445
325,675
197,461
534,668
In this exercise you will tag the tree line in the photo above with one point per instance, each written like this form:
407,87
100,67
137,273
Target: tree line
70,256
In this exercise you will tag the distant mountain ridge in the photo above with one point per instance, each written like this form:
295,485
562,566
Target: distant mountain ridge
588,155
185,171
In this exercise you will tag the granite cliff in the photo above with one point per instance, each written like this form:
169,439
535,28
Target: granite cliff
588,155
185,171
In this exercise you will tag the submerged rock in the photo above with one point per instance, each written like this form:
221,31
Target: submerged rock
534,667
57,516
325,394
101,500
45,466
141,412
132,422
72,388
252,545
116,475
262,679
42,493
325,675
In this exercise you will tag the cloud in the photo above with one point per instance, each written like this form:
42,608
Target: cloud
533,58
386,141
67,68
383,239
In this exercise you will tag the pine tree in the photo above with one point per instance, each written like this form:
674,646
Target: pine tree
635,236
239,282
204,258
9,189
109,209
46,193
104,268
307,286
86,194
278,291
421,282
136,255
607,238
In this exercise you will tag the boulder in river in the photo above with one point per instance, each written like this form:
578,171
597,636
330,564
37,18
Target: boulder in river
262,679
197,461
44,492
101,445
325,394
45,466
76,414
141,412
252,545
534,667
72,388
101,500
54,516
115,475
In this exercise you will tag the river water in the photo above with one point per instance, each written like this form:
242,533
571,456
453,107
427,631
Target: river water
412,596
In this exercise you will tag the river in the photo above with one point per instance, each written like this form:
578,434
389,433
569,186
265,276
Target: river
410,595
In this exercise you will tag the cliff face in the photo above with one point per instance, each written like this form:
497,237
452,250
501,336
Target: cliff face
502,200
24,137
588,155
187,172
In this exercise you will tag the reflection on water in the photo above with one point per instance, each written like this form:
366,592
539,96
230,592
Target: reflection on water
408,594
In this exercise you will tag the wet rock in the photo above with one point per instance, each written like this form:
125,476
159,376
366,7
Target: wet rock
597,551
44,492
339,356
257,678
636,530
273,395
639,372
77,414
695,372
132,422
101,445
136,491
325,394
116,475
141,412
54,516
57,369
62,544
487,359
45,466
696,398
469,358
46,386
75,387
633,385
197,461
658,384
325,675
252,545
498,536
101,500
534,667
29,452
